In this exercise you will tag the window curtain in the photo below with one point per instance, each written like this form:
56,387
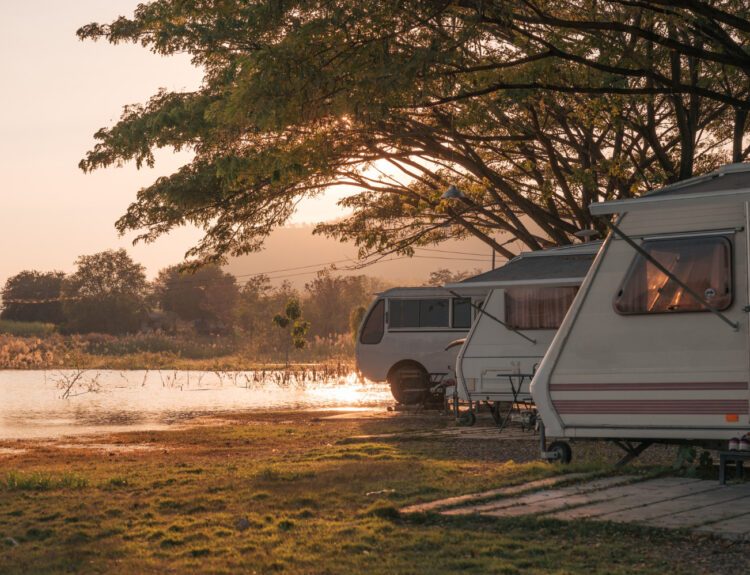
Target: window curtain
702,263
537,307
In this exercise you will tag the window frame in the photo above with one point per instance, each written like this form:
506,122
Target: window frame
634,265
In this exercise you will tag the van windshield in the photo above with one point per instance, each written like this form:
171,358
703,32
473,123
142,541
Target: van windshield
704,264
372,330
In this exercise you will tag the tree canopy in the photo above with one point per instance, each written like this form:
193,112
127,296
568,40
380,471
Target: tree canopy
533,109
31,295
208,294
105,294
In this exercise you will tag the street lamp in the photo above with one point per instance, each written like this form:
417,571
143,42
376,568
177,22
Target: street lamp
586,235
452,193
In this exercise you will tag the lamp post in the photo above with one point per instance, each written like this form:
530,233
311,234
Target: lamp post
452,193
586,235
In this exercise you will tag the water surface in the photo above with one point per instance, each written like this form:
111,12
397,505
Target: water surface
38,404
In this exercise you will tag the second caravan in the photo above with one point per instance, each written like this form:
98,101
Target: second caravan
529,298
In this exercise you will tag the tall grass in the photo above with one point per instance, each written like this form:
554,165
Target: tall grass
162,351
26,328
39,481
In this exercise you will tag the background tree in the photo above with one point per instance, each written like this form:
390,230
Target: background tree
31,295
292,316
207,294
105,294
444,276
330,299
535,110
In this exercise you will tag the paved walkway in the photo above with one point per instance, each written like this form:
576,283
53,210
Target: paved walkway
671,502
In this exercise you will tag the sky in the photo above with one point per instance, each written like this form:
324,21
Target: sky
57,92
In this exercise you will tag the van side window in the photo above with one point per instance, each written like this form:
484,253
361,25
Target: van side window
418,313
702,263
462,313
372,331
537,307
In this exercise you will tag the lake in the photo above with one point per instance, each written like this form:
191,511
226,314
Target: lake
50,404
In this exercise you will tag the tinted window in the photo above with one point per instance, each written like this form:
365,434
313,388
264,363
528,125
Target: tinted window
462,313
537,307
418,313
404,313
433,313
704,264
372,331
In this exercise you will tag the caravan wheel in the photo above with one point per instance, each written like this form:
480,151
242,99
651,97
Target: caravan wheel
560,451
467,419
409,382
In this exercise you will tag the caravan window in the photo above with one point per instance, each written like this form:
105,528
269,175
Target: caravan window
704,264
418,313
462,313
372,331
537,307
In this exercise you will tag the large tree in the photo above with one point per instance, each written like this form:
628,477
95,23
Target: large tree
208,294
105,294
31,295
534,109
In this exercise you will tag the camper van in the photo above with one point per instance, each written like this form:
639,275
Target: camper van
655,345
404,336
527,301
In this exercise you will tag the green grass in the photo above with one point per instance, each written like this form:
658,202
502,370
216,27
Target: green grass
15,480
26,328
304,498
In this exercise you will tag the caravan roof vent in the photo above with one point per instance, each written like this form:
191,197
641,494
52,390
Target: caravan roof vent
734,168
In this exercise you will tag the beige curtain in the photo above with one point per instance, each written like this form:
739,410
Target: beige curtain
537,307
702,263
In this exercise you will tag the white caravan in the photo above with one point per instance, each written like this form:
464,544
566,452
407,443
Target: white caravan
655,346
404,336
528,300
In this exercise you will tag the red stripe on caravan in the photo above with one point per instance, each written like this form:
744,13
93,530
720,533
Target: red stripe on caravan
670,406
669,386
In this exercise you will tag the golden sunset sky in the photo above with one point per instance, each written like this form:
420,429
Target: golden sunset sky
57,92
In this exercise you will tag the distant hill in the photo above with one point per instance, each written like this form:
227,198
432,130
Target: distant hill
295,254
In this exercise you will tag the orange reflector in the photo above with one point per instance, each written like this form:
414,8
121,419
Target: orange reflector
733,417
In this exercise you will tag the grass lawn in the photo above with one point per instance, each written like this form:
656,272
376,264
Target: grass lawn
282,493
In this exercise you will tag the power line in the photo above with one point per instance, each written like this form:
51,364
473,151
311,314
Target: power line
272,274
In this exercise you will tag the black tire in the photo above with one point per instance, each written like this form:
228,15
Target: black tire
467,419
561,452
409,382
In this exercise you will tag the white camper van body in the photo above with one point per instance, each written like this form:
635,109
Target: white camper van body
408,330
617,368
495,363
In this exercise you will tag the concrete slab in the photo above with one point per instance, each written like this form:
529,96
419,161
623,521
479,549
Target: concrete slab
501,492
706,494
670,502
737,528
541,500
637,496
705,514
